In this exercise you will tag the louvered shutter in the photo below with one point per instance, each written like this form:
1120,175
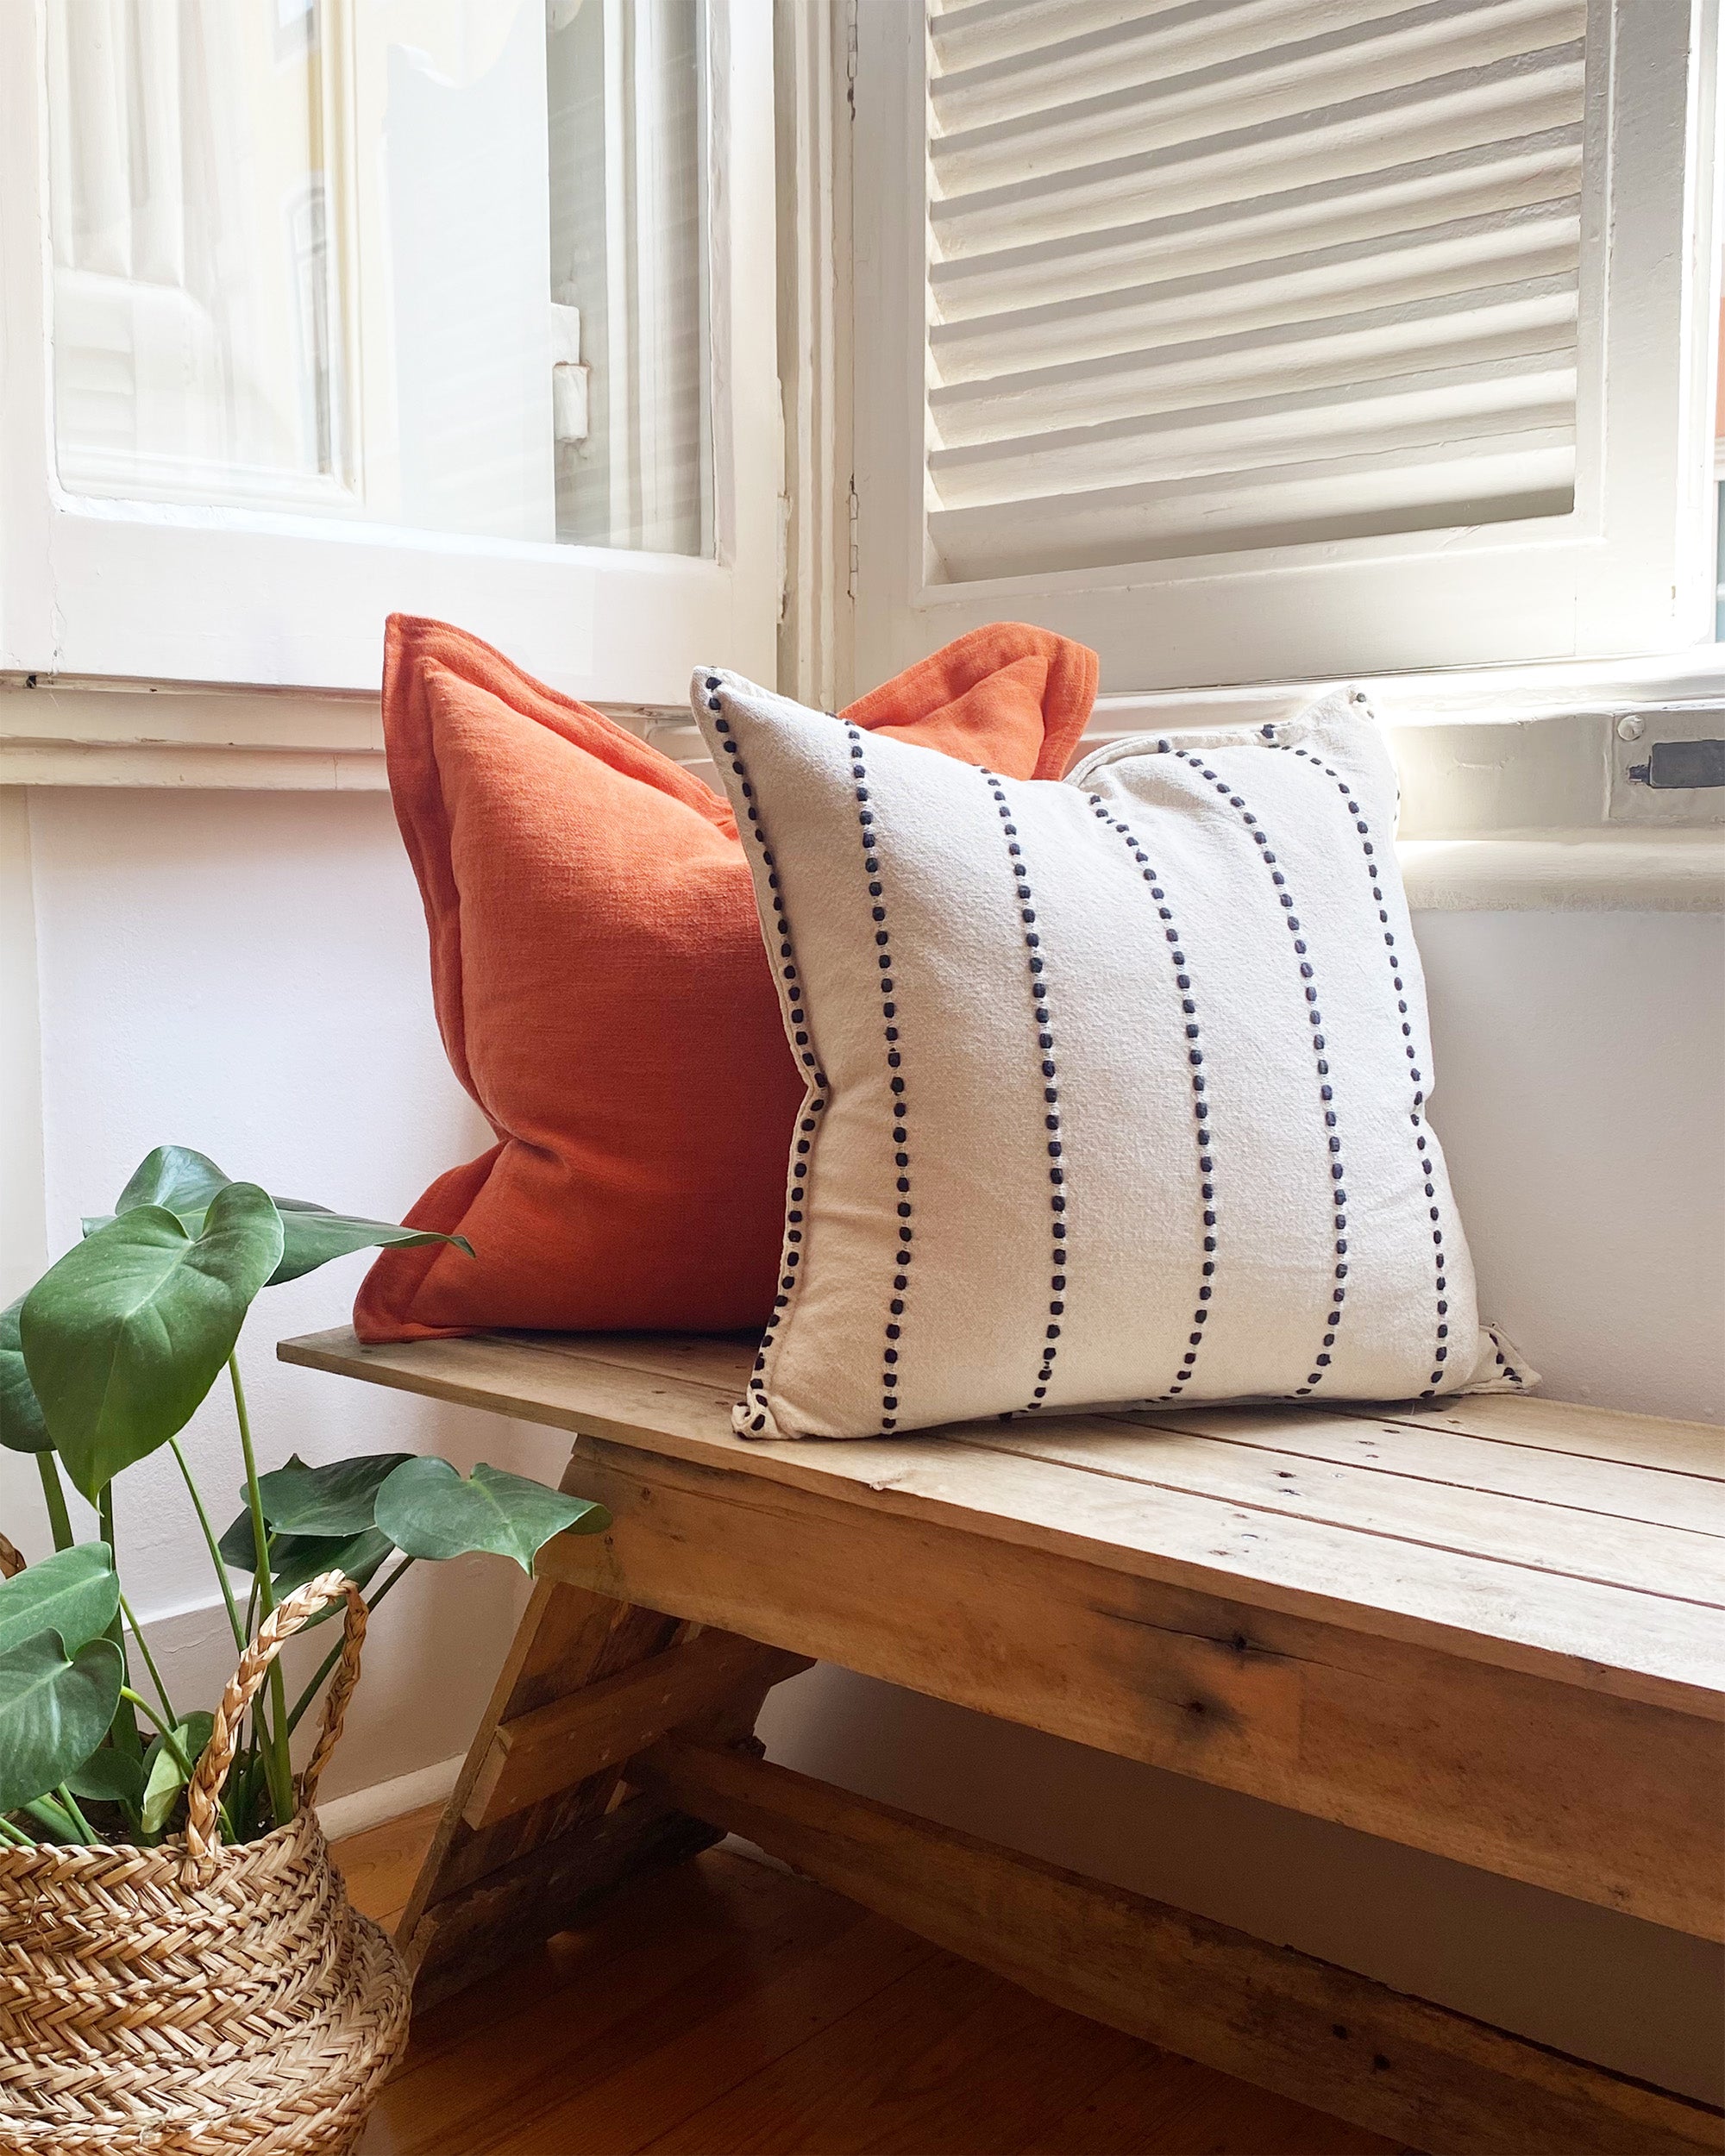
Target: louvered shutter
1282,336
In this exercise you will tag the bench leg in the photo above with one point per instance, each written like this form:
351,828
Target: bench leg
541,1822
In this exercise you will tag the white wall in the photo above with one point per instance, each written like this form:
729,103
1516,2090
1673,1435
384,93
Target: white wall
246,973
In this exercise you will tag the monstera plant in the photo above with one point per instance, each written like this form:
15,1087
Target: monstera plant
103,1364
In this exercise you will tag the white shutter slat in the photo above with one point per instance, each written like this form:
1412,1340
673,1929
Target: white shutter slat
1536,318
1482,181
1476,256
1386,490
1487,105
999,43
1254,339
1129,404
984,139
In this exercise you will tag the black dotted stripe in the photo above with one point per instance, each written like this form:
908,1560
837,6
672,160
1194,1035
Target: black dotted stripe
1201,1105
1040,990
1322,1361
1440,1349
870,832
815,1097
1508,1369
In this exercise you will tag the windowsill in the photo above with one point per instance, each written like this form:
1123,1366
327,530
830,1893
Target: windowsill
1509,784
130,734
1591,871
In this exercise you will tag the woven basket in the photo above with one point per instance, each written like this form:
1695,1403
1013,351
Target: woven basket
195,1999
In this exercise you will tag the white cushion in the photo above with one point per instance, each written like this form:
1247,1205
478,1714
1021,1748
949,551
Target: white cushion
1116,1086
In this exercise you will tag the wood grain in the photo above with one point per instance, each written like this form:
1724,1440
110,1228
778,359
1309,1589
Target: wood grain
727,2005
1666,1562
380,1863
1244,1544
1456,1757
1302,2027
1494,1629
464,1936
1554,1425
536,1755
1610,1489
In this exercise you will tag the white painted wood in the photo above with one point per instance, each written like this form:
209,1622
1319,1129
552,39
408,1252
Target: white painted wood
170,592
24,1198
385,1801
814,160
1567,872
1280,339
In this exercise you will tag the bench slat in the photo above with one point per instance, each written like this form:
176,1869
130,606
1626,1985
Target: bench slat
1556,1426
1632,1641
1605,1486
1671,1561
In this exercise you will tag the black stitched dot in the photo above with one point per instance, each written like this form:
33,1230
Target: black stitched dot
1266,853
1188,1008
1440,1352
1040,990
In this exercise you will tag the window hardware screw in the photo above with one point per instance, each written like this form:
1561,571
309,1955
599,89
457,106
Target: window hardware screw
1631,728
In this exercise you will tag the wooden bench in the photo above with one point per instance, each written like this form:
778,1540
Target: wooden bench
1492,1629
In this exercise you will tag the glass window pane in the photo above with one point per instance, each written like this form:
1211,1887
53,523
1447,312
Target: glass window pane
627,212
191,312
439,263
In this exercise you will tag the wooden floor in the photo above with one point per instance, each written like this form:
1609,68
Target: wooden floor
727,2007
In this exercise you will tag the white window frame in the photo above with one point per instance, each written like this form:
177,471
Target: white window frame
124,591
1620,574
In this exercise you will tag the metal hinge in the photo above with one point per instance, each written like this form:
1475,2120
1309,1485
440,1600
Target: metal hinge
855,554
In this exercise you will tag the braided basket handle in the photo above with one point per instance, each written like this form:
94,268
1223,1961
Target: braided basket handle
203,1820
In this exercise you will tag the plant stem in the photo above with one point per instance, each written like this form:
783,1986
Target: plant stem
335,1653
125,1723
18,1839
65,1797
47,1813
58,1519
177,1752
216,1556
169,1731
281,1772
137,1630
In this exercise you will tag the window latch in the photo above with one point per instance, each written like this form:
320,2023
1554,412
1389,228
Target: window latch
1678,765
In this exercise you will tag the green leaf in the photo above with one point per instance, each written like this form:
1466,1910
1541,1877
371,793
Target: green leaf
428,1511
296,1559
108,1777
164,1777
126,1333
177,1179
314,1235
236,1542
22,1426
186,1184
74,1592
336,1499
55,1710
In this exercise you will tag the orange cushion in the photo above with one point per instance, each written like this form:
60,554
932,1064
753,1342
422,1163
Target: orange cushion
602,988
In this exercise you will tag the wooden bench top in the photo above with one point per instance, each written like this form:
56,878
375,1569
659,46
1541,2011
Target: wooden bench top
1574,1544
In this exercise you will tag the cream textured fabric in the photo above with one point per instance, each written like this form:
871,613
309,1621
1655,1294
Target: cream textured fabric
1116,1086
